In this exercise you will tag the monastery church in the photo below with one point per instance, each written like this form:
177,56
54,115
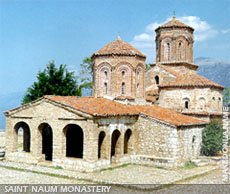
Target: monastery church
135,115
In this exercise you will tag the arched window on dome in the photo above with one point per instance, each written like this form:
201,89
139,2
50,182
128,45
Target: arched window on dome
106,74
123,88
157,80
168,51
202,103
186,102
180,51
105,88
123,73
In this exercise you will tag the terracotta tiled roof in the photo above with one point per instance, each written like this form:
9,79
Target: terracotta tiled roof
119,47
105,107
190,79
93,106
167,115
174,23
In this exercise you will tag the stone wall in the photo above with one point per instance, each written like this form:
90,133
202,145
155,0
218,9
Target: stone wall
164,76
111,72
156,139
190,139
199,99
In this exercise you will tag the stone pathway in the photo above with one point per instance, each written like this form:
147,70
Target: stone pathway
133,174
128,174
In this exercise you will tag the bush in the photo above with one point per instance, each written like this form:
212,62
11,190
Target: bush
212,138
189,164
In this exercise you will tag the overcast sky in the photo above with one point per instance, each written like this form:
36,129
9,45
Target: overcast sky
33,32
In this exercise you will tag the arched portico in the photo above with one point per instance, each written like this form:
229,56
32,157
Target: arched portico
24,127
74,141
47,140
128,134
115,143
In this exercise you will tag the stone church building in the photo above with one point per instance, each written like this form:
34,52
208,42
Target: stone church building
135,115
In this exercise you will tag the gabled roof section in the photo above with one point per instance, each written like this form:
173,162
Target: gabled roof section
104,108
167,115
190,79
174,23
94,106
118,47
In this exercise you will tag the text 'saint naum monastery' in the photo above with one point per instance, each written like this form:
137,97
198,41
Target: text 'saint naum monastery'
135,116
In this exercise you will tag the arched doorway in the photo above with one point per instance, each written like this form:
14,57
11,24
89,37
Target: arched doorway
47,140
74,141
101,144
23,143
128,134
115,144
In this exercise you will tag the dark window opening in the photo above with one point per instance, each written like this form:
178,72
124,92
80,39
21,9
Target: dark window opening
105,88
123,88
123,73
157,80
186,104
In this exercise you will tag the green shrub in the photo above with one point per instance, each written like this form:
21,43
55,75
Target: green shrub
189,164
212,138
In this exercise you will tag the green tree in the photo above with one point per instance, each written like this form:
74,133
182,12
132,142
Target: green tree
53,81
212,138
86,74
148,66
227,96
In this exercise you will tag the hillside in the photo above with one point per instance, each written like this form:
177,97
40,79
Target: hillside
217,71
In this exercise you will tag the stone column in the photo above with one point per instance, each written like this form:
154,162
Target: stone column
10,136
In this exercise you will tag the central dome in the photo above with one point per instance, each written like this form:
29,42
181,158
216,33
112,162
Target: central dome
119,47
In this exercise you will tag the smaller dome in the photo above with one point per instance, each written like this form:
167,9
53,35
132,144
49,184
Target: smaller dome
119,47
174,23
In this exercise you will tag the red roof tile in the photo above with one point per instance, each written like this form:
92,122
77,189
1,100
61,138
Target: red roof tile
93,106
119,47
189,79
168,115
105,107
174,23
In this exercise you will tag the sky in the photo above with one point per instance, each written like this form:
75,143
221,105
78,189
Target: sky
34,32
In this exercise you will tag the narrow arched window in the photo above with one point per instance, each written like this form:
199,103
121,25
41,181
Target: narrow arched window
106,74
123,73
186,104
157,80
105,88
123,88
168,51
138,73
180,51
